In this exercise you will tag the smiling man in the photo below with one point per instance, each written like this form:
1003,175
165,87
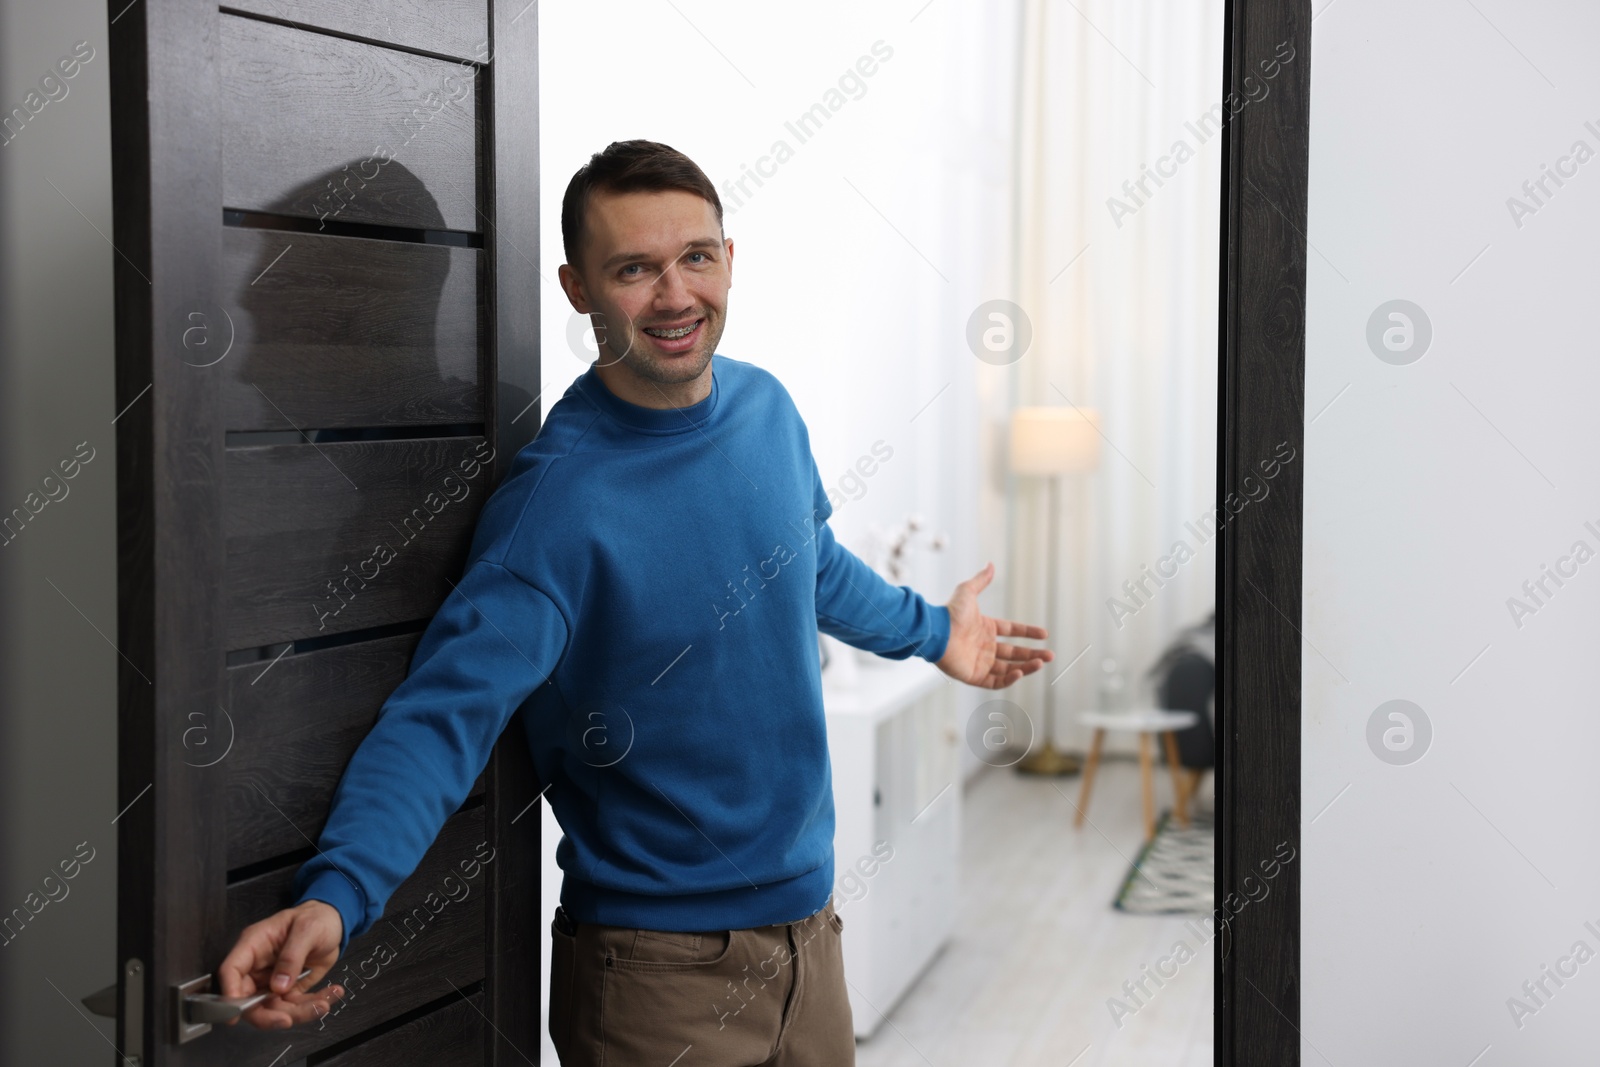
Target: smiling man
646,584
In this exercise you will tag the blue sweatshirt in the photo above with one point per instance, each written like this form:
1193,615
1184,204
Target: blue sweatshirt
649,583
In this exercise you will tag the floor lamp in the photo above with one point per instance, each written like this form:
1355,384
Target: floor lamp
1053,442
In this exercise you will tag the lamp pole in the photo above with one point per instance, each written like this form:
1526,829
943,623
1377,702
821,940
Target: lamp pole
1049,760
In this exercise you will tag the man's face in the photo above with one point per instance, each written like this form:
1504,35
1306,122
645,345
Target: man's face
654,264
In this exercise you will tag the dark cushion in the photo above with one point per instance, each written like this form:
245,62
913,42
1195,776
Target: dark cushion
1188,686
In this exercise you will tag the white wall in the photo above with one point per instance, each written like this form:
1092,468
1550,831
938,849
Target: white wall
886,228
1433,889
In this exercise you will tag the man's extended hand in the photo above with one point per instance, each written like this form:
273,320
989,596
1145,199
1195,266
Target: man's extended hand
271,954
974,655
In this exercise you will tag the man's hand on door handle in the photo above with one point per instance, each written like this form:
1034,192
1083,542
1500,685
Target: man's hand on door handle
270,953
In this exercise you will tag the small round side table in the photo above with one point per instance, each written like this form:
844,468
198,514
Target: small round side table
1144,722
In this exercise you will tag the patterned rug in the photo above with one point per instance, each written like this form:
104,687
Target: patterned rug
1173,874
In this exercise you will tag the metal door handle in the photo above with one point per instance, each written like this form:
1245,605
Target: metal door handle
215,1008
199,1010
103,1001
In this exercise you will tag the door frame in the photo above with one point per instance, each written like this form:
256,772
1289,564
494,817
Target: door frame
1261,406
513,983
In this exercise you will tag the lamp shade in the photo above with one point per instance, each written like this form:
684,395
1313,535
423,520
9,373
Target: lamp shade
1054,440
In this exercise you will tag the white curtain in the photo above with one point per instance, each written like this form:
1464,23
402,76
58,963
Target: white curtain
1120,283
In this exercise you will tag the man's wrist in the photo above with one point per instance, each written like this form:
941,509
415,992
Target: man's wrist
935,647
333,889
314,907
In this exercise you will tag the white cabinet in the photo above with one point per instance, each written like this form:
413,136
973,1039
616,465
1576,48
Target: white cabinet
893,742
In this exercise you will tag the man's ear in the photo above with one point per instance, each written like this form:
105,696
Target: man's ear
572,285
728,244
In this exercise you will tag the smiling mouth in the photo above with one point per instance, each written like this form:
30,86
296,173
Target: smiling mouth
674,334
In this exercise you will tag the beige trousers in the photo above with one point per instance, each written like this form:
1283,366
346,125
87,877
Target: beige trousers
772,996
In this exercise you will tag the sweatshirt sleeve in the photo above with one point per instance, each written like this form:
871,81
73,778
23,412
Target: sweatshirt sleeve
495,639
856,605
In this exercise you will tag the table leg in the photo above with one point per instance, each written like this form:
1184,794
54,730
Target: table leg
1180,796
1149,786
1089,766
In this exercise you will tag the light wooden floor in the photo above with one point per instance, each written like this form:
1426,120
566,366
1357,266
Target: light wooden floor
1038,949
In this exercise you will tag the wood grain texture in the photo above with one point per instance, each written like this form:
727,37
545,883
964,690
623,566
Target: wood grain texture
429,942
296,723
1261,397
315,126
458,28
310,527
166,192
513,971
341,331
229,548
452,1036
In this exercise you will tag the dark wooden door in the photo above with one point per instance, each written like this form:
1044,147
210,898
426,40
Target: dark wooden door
327,292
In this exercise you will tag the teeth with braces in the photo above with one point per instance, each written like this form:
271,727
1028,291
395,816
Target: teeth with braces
671,335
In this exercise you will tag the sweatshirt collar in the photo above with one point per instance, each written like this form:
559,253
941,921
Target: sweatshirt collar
649,420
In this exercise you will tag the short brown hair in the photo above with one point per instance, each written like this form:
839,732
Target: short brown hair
629,167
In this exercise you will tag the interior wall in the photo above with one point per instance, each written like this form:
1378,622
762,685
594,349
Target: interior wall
58,760
1452,513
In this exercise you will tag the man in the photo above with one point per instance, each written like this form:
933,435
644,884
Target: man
647,582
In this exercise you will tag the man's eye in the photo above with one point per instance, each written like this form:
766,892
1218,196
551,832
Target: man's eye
702,255
631,266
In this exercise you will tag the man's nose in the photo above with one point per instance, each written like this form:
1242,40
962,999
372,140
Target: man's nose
671,290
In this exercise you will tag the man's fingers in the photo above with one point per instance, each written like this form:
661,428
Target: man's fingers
1022,652
292,960
980,581
254,954
1005,674
263,1017
306,1007
994,677
292,1009
1001,681
1008,628
270,1014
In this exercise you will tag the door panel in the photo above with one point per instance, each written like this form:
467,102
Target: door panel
426,943
328,538
298,384
448,27
452,1036
298,103
293,738
346,332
